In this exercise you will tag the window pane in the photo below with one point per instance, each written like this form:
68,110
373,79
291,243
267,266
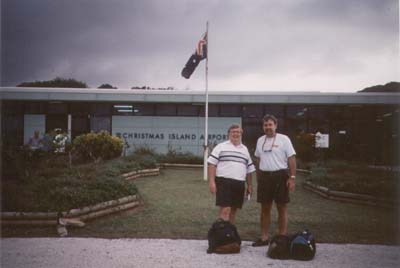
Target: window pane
165,109
99,123
123,109
57,108
13,107
188,110
275,110
212,110
296,112
12,129
100,109
35,108
318,117
79,125
296,120
253,111
54,121
80,108
230,110
143,109
130,109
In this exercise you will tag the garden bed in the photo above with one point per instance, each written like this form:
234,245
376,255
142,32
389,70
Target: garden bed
76,217
48,182
67,188
357,179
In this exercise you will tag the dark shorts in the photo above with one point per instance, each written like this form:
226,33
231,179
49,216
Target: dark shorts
271,186
230,192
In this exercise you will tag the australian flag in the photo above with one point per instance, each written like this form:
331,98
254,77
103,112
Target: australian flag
196,57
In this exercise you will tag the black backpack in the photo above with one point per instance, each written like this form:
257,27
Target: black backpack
302,246
279,247
223,238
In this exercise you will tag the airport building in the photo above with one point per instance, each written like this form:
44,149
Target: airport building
361,126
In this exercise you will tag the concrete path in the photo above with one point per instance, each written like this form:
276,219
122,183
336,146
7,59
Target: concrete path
150,253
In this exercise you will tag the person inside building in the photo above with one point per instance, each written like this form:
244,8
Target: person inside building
276,173
229,168
35,142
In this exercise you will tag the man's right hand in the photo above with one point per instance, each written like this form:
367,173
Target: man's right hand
213,187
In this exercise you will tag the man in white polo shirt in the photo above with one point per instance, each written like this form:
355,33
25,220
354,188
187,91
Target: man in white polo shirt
275,155
229,166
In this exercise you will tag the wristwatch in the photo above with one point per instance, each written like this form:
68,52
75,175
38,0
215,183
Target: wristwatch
293,177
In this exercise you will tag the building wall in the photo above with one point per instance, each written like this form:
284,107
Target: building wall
367,132
177,133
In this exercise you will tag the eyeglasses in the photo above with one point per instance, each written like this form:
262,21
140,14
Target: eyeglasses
272,145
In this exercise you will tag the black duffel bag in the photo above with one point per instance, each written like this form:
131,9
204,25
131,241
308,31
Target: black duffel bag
279,247
302,246
299,246
223,238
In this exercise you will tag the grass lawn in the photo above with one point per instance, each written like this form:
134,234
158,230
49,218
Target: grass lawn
177,204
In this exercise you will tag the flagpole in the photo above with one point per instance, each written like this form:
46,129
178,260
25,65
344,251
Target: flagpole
206,116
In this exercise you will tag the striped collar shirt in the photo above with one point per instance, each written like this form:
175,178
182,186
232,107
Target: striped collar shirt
233,162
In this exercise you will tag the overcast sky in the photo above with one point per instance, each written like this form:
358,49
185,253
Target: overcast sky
269,45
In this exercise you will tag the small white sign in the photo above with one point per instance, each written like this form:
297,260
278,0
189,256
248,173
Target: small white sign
321,140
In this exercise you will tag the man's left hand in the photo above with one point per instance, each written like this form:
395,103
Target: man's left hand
291,184
249,190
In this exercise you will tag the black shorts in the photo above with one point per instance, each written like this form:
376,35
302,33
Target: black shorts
230,192
271,186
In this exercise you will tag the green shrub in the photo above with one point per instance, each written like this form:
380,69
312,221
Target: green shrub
146,161
121,165
144,150
139,161
22,162
94,146
146,157
180,158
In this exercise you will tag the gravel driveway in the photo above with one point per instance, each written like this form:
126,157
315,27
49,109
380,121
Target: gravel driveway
143,253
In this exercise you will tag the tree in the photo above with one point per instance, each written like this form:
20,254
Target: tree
107,86
389,87
152,88
57,82
143,87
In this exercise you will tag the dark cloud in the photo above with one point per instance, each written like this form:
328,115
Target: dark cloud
260,45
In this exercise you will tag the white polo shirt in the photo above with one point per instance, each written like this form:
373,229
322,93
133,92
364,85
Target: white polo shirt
232,161
277,158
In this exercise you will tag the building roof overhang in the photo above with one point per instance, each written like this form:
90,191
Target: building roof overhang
187,96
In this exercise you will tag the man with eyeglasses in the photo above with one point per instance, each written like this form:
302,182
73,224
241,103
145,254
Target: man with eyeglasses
276,173
229,168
